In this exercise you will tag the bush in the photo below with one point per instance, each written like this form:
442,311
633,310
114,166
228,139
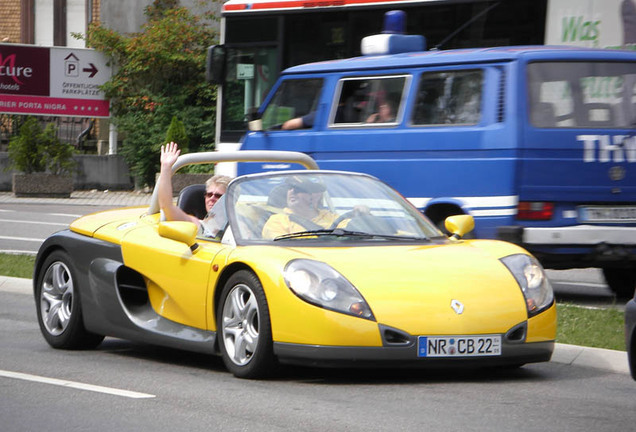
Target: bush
35,150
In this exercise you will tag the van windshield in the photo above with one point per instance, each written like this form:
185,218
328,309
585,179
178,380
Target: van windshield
582,94
295,98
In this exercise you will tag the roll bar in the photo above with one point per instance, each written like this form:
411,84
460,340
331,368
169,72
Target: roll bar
234,156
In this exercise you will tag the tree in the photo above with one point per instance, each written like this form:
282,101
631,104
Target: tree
159,74
177,133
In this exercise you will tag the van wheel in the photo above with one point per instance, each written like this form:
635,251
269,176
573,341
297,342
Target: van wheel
621,280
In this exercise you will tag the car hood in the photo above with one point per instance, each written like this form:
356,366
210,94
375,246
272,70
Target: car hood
89,225
412,287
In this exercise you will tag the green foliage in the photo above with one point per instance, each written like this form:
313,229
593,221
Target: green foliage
25,149
160,74
600,328
36,150
17,265
177,133
58,155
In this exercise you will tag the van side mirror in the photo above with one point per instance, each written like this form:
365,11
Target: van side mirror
215,64
254,122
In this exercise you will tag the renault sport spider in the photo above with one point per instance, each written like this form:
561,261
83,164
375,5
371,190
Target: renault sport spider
371,282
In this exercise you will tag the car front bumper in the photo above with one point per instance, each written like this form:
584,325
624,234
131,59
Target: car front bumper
405,356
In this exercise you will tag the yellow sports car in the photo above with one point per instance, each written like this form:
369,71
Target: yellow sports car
313,267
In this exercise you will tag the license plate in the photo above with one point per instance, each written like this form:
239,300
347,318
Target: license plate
607,214
459,346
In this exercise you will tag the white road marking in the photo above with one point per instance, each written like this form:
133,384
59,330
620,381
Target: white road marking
64,214
75,385
17,252
34,222
22,238
45,214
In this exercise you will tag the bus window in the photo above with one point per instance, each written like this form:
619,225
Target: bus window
449,98
294,98
364,101
249,77
582,94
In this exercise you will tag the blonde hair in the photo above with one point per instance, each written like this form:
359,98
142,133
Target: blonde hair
220,180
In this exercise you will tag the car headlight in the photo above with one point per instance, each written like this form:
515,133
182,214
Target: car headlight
533,281
319,284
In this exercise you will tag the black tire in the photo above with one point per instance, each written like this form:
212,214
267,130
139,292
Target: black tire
59,310
622,281
243,327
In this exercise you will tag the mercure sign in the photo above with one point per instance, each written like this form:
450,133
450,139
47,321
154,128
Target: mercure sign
56,81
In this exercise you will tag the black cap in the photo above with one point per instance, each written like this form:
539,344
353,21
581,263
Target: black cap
304,184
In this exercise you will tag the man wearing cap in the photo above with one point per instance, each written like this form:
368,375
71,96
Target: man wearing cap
302,212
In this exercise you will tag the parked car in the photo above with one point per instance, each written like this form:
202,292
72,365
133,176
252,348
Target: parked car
370,282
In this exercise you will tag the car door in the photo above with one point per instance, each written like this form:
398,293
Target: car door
180,281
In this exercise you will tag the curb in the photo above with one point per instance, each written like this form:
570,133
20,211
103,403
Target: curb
596,358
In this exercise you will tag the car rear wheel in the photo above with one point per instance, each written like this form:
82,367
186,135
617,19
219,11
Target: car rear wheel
621,280
244,329
59,309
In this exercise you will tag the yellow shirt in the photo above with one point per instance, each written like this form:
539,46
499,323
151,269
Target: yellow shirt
280,224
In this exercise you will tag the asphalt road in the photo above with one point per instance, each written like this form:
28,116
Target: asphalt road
23,227
133,387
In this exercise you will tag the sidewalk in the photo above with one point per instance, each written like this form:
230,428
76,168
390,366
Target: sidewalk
91,197
608,360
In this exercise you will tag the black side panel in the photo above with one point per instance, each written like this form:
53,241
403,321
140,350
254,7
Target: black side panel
109,304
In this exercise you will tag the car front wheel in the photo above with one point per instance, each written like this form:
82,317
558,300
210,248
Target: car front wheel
59,310
244,329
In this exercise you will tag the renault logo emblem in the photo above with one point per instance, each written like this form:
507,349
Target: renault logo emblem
457,306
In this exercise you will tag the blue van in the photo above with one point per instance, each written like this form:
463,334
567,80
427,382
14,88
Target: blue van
537,143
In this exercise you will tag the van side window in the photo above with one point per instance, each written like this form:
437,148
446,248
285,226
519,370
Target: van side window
294,98
581,94
449,98
368,101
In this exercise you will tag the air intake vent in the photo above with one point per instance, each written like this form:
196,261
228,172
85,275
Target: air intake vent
132,287
501,98
395,337
517,333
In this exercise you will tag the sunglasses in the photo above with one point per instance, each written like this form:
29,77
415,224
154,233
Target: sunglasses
213,194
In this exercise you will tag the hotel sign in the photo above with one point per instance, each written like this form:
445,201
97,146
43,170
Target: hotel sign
56,81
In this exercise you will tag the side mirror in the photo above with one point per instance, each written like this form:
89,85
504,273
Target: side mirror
255,125
459,225
215,64
254,121
184,232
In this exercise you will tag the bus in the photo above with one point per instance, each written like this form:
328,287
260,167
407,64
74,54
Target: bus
536,142
264,37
